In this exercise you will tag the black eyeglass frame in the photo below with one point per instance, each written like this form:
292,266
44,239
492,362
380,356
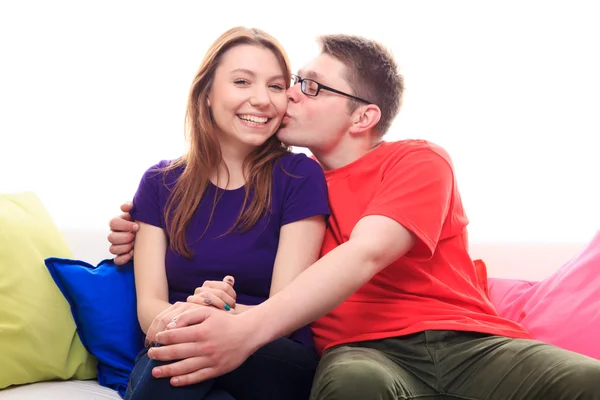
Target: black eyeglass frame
297,79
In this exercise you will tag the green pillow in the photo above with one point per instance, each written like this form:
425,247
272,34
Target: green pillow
38,338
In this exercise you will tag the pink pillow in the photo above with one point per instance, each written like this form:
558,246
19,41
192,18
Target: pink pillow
509,296
563,309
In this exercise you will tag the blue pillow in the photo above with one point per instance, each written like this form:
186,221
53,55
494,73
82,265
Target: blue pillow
103,304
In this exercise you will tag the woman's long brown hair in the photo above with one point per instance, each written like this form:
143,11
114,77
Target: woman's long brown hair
204,155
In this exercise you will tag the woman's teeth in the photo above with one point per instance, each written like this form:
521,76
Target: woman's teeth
254,118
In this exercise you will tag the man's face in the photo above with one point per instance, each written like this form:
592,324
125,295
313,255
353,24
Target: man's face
320,122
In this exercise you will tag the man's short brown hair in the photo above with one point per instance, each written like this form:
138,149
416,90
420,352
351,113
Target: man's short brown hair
372,73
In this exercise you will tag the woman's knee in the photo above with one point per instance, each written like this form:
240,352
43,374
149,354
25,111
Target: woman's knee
144,386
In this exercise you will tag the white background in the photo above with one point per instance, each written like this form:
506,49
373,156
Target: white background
93,93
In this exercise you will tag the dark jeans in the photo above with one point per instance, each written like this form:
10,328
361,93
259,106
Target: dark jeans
282,369
455,365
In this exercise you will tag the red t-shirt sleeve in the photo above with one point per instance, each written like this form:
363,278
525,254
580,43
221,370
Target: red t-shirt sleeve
416,191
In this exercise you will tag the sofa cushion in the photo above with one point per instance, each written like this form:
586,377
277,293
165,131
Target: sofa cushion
38,338
103,303
562,309
63,390
509,296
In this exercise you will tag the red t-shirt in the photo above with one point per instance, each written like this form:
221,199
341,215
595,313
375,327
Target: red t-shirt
435,285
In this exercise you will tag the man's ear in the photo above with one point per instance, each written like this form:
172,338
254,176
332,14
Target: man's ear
364,118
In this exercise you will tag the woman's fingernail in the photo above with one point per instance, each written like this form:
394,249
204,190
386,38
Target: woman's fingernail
157,372
229,280
206,301
150,351
175,381
171,325
227,308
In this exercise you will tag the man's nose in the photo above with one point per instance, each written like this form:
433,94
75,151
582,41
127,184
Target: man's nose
294,93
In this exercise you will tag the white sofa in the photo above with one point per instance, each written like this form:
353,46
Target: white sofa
529,261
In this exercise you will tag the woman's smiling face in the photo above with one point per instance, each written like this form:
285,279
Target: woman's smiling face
248,97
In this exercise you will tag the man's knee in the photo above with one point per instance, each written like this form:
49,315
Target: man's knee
583,381
354,379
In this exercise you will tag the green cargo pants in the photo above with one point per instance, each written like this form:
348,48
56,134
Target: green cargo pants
455,365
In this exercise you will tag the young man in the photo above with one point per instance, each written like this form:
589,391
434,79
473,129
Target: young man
394,301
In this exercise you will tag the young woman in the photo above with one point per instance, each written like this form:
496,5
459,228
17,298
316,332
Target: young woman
231,222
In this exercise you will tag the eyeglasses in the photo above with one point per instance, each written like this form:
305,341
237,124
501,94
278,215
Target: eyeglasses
312,88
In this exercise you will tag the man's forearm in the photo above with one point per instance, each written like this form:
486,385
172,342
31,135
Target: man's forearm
315,292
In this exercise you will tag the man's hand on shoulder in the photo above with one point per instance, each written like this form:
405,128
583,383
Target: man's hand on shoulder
122,235
205,343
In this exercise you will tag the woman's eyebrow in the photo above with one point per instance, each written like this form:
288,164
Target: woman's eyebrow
251,73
